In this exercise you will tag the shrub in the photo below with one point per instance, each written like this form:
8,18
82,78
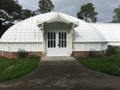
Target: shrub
33,56
92,53
22,54
111,50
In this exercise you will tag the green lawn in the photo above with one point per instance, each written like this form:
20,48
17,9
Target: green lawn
109,65
13,68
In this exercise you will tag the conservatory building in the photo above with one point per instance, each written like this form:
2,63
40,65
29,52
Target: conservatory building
54,34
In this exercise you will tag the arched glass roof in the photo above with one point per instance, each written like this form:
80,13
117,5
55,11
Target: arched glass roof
29,31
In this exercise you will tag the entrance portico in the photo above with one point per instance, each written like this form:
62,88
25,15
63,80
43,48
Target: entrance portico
58,38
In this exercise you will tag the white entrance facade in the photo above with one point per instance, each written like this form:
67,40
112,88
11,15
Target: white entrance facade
57,43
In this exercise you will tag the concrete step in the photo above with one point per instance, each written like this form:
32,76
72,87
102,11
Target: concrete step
58,58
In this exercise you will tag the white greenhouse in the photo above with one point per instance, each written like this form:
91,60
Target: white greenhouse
58,34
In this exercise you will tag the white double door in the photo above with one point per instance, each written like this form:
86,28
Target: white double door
56,43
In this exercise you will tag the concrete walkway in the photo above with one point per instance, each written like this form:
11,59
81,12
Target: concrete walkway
62,73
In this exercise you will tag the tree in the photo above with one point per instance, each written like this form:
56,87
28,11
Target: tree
26,13
9,11
45,6
87,12
116,17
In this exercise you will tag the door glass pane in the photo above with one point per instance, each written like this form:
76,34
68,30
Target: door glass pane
62,35
65,43
59,45
62,40
51,39
48,40
54,40
65,36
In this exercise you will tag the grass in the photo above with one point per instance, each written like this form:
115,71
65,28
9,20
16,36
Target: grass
13,68
109,65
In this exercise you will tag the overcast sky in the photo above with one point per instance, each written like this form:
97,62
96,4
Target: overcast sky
103,7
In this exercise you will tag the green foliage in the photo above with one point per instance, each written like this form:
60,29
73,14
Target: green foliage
111,51
10,10
22,54
45,6
26,13
13,68
108,65
87,13
116,17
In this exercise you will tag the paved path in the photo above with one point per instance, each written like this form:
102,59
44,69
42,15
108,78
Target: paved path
64,74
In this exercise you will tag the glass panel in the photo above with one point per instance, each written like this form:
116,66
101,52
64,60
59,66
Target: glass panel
62,44
62,39
54,40
54,44
51,36
62,35
51,39
65,35
65,43
51,43
65,39
48,40
59,39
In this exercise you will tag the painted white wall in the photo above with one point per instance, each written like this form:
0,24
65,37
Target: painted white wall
111,32
114,43
28,47
39,47
89,46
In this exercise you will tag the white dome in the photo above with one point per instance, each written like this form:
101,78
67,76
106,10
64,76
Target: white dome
111,31
86,33
28,30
